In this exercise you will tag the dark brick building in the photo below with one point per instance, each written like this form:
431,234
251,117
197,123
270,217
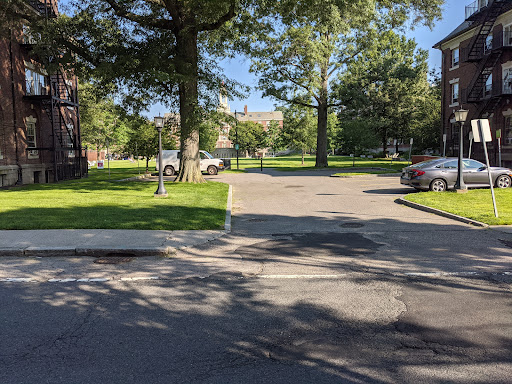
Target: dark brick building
39,113
477,75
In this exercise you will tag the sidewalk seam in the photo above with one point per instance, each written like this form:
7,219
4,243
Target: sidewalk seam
227,222
440,212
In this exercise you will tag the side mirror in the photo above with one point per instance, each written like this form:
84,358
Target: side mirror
482,168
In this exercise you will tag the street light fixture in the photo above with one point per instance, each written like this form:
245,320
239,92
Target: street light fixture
160,192
460,116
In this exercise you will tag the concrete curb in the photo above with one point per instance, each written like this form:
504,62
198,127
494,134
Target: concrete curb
227,222
441,213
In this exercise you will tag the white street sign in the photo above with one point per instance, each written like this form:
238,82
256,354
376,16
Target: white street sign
486,130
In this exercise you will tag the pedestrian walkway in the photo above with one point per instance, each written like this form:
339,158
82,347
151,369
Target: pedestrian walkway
99,242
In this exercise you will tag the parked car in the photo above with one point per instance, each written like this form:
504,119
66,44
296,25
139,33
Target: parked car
171,162
441,174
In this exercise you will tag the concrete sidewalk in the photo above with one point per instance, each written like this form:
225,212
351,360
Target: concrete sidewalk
99,242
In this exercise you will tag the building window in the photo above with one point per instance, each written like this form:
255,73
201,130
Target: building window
488,86
507,35
455,93
36,83
507,80
31,137
507,134
488,43
455,57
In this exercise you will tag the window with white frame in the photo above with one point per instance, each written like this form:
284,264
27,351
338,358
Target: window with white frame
488,43
507,80
507,134
69,139
507,35
455,57
455,92
30,124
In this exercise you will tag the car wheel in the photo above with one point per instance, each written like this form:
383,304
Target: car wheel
503,181
169,171
438,185
212,170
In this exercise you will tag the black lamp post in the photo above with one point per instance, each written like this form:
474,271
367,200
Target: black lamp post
160,192
460,117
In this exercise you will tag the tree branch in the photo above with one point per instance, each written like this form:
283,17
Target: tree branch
286,74
220,22
141,20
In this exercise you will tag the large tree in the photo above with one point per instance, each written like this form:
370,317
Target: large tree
154,50
297,55
386,86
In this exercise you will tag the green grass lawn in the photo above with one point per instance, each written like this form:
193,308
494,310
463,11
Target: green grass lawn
100,201
475,204
294,163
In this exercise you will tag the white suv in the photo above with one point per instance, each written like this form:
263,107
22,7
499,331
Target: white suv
171,162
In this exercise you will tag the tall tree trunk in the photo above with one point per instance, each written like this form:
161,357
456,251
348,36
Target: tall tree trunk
321,138
186,66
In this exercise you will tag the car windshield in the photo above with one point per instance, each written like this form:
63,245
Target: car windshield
207,154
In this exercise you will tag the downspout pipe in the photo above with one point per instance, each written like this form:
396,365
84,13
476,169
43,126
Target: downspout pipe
14,115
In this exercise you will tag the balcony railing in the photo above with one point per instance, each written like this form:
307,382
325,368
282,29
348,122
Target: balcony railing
475,6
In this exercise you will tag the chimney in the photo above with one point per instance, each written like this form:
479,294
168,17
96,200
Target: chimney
245,110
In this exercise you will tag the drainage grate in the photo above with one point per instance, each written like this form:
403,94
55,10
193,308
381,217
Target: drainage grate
351,225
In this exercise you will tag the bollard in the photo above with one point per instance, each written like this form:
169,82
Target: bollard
261,164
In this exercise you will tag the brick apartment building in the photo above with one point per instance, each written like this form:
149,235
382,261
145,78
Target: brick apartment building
477,75
39,113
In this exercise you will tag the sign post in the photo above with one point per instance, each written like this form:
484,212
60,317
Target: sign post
498,136
471,138
410,149
482,133
444,144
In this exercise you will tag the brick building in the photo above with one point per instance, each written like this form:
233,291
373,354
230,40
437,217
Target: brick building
477,75
225,148
39,113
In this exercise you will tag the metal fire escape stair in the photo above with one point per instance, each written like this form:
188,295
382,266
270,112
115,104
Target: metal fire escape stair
488,18
486,59
483,71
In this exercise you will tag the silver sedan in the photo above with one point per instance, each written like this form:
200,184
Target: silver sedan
441,174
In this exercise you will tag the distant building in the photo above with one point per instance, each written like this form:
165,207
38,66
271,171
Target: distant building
225,148
39,120
477,75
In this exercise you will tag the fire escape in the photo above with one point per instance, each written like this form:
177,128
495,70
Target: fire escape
485,50
57,96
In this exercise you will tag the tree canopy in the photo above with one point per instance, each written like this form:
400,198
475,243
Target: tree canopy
386,86
297,54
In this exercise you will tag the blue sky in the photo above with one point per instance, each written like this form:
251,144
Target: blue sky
453,15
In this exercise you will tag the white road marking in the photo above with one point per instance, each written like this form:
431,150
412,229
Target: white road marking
301,276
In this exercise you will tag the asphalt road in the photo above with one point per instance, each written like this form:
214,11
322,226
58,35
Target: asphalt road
322,280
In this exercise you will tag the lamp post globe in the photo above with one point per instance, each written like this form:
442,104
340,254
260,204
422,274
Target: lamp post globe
460,116
160,192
